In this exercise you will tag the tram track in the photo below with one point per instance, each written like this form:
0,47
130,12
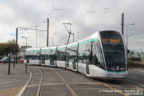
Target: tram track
44,86
135,83
112,88
70,89
73,93
128,85
40,86
25,86
34,86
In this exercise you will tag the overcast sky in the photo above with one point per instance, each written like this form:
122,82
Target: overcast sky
86,16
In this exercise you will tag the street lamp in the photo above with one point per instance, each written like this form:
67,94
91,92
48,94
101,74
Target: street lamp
17,31
53,42
36,34
127,25
25,39
78,35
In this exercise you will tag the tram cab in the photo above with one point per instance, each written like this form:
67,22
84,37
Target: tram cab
114,54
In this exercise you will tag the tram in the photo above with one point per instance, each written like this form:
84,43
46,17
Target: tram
101,55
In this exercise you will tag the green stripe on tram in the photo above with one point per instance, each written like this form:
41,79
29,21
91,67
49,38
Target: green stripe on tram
47,49
63,48
88,41
84,42
33,50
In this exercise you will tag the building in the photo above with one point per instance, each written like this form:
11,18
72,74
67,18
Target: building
22,50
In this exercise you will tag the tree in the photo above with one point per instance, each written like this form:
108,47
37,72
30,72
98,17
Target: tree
8,47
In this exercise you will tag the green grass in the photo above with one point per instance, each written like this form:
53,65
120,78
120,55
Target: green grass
135,63
142,59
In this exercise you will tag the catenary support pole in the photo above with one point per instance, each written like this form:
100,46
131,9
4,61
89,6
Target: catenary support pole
16,46
47,32
122,24
9,64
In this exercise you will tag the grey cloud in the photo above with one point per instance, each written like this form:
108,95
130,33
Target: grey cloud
28,13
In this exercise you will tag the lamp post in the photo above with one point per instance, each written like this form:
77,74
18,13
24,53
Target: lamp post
127,26
47,32
78,35
54,39
25,49
36,34
25,39
22,28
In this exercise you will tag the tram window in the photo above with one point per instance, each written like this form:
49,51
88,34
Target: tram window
85,53
80,57
47,54
26,57
97,58
45,57
32,55
60,54
72,54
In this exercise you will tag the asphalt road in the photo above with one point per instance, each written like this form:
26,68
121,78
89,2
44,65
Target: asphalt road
49,81
17,77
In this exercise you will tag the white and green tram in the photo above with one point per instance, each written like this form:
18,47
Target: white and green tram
101,55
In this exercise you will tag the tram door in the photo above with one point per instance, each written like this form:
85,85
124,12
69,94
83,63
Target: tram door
67,61
87,68
71,57
87,55
52,57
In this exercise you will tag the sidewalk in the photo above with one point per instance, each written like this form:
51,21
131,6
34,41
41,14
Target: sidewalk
11,84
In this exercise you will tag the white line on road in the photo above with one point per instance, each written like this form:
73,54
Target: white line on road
135,82
47,84
25,86
73,93
139,70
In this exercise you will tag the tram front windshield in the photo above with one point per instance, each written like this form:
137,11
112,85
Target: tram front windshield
113,51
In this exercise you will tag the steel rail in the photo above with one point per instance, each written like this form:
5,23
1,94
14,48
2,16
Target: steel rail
40,86
73,93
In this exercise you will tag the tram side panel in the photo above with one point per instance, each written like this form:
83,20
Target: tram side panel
60,57
48,57
32,56
71,57
84,56
97,67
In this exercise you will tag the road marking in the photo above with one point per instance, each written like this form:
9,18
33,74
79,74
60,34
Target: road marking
137,87
47,84
135,82
26,84
110,87
73,93
139,70
40,86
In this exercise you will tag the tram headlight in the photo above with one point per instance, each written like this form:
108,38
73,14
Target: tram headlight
117,68
112,68
122,68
